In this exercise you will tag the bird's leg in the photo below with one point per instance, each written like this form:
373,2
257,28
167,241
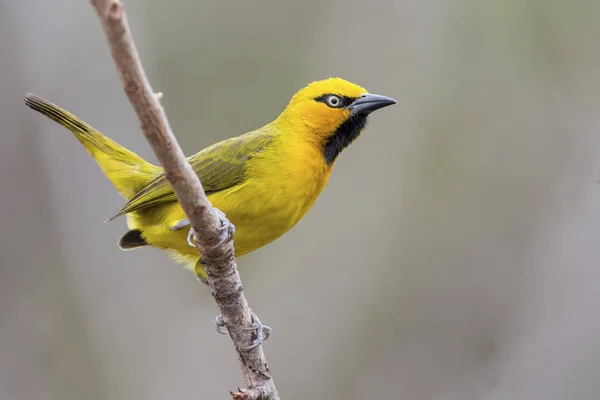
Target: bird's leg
226,232
262,331
180,225
227,229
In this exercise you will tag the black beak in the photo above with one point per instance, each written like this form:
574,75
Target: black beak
367,103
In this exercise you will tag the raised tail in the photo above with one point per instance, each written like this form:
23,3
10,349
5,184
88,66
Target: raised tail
127,171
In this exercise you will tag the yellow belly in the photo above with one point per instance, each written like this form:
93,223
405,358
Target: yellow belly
262,209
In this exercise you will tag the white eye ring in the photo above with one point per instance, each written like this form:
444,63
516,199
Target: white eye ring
334,101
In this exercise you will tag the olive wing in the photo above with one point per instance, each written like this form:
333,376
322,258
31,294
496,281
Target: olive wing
219,167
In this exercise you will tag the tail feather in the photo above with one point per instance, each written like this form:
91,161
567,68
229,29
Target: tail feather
132,239
127,171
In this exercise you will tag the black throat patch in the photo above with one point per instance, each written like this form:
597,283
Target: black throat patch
343,136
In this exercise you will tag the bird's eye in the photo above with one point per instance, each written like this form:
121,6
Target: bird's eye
334,101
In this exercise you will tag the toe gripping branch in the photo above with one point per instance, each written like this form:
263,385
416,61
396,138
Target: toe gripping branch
262,331
226,231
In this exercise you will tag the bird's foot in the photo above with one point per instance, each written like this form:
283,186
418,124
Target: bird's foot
180,225
227,229
220,324
262,331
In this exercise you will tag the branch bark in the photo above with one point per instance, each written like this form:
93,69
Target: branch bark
217,255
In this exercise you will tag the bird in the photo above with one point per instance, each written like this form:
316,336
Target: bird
264,181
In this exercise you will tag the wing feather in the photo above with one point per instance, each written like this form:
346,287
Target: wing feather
219,167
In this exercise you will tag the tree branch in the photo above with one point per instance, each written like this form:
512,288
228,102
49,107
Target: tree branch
217,255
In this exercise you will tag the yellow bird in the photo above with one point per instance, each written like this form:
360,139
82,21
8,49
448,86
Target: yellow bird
264,181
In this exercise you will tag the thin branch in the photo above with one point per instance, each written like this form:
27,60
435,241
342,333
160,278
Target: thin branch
217,254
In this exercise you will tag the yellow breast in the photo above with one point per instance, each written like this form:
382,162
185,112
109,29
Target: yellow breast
282,184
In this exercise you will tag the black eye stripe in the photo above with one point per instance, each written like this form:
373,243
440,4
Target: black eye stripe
345,99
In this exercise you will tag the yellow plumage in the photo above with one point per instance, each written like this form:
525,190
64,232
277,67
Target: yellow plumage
264,181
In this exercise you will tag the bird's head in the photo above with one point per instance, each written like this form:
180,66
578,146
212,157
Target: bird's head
332,113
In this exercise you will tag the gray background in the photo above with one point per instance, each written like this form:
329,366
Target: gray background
453,255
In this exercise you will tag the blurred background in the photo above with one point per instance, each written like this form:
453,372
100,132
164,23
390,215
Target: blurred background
455,253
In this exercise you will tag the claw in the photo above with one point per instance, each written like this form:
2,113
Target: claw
200,272
219,324
226,230
262,332
182,224
190,238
